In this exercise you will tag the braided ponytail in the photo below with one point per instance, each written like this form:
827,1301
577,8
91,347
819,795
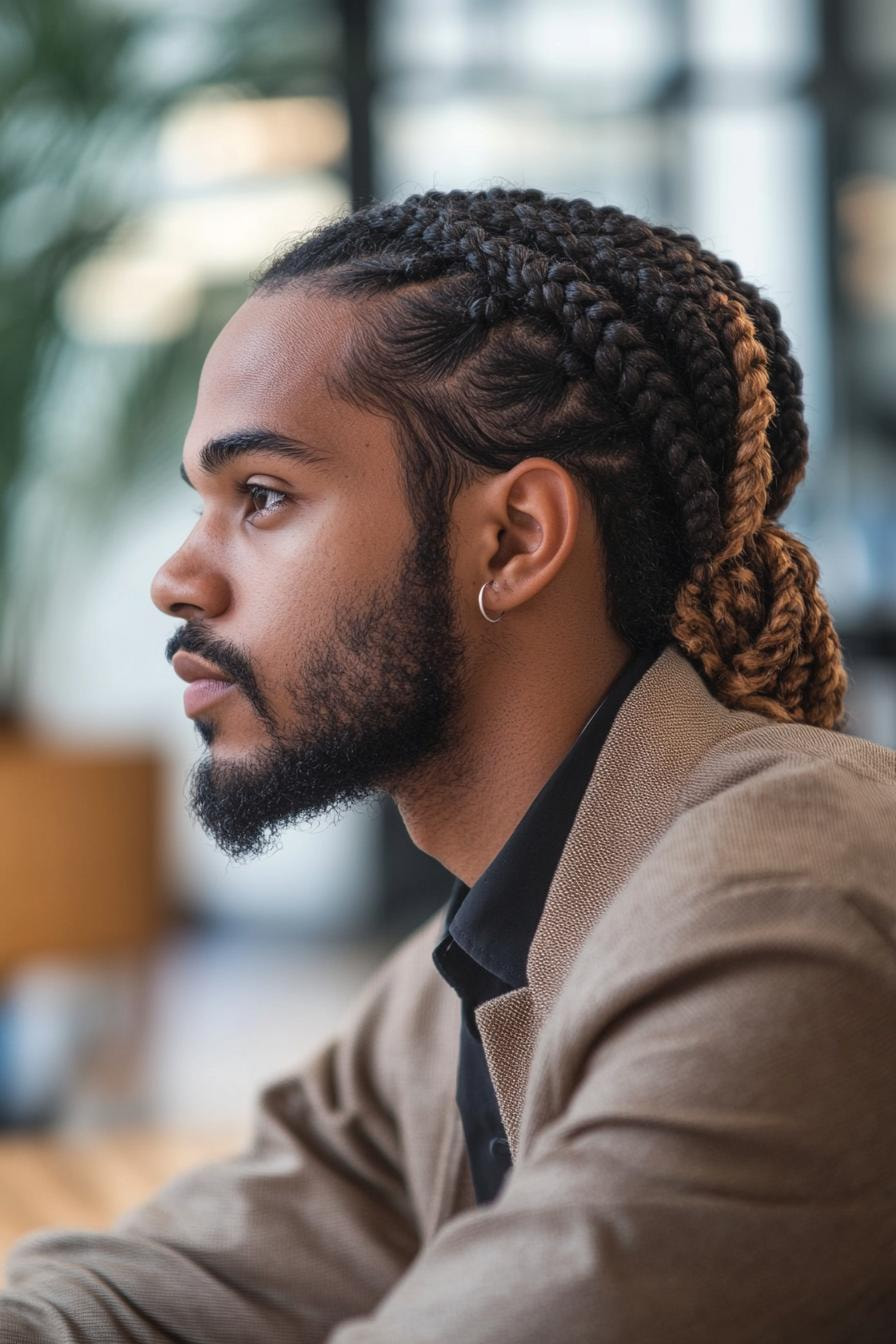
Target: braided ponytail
759,653
501,324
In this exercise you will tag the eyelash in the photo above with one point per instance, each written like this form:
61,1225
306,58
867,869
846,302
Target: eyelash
252,490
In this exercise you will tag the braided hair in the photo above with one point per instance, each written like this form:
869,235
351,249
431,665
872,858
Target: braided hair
503,324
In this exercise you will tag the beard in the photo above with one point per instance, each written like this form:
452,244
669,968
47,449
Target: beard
373,701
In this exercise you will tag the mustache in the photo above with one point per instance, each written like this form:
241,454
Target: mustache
192,638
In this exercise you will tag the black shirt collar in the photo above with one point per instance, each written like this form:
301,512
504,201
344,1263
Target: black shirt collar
494,921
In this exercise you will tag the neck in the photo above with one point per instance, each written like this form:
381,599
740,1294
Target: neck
527,713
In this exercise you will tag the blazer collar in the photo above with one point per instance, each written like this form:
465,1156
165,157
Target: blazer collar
665,725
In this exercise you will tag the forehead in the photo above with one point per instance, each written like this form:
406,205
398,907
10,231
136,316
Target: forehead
270,366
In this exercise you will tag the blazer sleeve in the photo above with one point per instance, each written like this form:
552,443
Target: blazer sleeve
719,1161
310,1224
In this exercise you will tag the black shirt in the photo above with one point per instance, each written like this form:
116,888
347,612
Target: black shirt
489,927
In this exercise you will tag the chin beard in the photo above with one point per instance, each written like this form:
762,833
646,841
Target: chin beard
374,701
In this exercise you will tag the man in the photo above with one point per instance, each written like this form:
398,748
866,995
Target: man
488,490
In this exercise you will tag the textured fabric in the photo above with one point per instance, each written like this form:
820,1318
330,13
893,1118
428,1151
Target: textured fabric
489,927
697,1079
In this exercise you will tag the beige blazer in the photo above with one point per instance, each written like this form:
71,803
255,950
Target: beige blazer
698,1085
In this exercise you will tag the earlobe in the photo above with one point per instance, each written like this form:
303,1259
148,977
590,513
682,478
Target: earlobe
492,620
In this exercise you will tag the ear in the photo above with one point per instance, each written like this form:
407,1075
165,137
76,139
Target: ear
530,527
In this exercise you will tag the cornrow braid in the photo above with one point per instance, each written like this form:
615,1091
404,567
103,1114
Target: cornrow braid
497,325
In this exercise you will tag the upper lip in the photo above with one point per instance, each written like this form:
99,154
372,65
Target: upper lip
190,668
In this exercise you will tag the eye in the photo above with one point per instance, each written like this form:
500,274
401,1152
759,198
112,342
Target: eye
265,499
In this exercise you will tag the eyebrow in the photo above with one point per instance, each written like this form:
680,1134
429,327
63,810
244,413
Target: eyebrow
218,452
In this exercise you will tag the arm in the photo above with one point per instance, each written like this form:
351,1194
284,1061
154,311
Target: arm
312,1223
721,1164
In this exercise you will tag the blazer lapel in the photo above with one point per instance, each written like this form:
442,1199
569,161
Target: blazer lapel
662,729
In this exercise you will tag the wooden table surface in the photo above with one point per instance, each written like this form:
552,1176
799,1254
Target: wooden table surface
88,1182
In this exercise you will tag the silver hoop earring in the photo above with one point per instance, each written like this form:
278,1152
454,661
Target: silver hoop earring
492,620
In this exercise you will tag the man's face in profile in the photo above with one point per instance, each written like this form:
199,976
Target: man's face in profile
321,636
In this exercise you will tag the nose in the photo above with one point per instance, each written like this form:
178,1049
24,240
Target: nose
187,589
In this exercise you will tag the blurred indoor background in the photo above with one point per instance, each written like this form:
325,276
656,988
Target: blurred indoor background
152,154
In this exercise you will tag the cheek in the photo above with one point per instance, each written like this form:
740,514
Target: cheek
292,580
283,613
287,597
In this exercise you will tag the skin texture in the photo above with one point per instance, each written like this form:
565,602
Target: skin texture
278,588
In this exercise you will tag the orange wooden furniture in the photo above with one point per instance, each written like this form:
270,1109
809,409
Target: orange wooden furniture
79,852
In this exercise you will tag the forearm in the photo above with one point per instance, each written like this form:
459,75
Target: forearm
275,1243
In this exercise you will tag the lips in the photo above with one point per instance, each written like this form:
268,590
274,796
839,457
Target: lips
206,684
190,668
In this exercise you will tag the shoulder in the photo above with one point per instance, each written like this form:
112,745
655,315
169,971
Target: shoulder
766,903
789,746
775,883
786,802
783,836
